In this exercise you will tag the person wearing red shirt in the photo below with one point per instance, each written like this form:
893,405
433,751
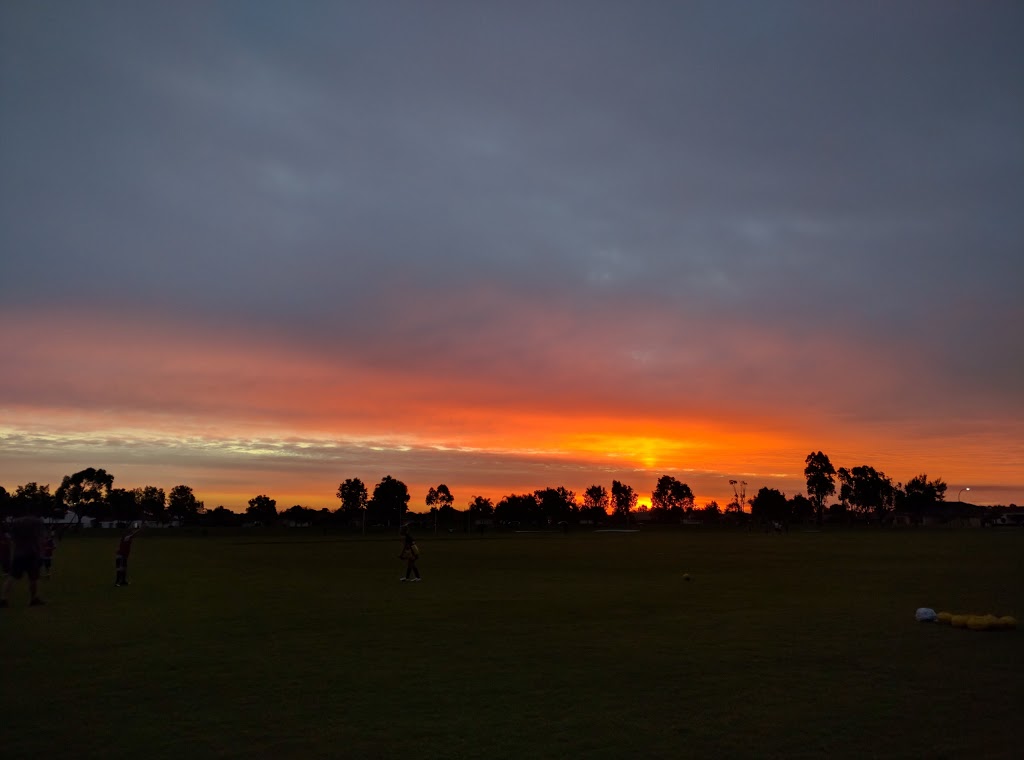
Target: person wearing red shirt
124,548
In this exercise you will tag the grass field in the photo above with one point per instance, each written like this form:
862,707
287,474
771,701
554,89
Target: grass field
532,646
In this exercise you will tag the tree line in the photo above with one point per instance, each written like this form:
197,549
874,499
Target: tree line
864,494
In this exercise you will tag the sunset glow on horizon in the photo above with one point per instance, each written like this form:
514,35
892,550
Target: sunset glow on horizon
262,254
236,419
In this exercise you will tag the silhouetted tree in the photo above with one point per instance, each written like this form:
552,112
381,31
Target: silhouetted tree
354,499
595,504
323,516
921,496
122,506
838,512
263,509
183,506
299,514
32,499
439,497
821,484
479,508
84,492
556,504
867,490
671,499
739,500
623,500
440,501
517,509
390,500
152,502
221,517
770,505
801,509
711,511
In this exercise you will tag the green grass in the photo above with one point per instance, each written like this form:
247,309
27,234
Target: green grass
533,646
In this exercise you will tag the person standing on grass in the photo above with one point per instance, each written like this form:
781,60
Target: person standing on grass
26,549
49,544
5,552
410,553
124,548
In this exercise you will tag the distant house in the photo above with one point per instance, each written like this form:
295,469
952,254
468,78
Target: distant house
911,519
1012,519
71,519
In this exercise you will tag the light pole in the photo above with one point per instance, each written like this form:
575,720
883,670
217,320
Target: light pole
968,488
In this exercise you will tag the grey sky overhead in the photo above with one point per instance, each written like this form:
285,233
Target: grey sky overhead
800,211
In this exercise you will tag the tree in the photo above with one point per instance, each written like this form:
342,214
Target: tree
221,517
821,483
623,499
517,509
479,507
801,509
262,509
84,492
183,506
671,499
32,499
390,500
354,498
921,496
711,511
770,505
867,490
122,505
595,503
299,514
440,501
556,504
739,500
152,502
440,497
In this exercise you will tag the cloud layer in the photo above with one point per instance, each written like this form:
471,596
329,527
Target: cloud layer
707,238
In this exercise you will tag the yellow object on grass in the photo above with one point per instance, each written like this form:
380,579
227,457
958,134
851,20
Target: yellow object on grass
978,622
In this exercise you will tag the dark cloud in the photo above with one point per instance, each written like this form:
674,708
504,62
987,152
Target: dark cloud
396,179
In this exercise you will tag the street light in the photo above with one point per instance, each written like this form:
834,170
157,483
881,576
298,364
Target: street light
961,491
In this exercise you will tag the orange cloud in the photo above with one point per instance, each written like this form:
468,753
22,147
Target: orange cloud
239,412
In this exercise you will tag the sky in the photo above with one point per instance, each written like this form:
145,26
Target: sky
261,248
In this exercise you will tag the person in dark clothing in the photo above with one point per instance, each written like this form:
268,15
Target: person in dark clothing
5,551
410,553
26,542
49,546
